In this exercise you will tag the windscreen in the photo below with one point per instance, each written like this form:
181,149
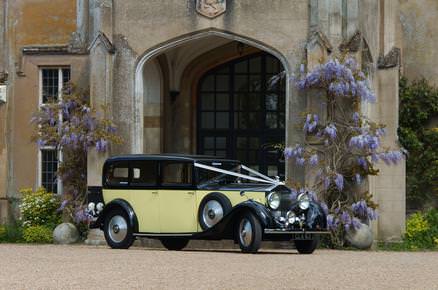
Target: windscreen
207,177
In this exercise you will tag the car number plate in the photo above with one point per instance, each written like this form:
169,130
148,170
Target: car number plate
302,236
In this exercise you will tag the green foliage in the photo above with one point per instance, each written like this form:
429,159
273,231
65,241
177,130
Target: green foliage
422,230
38,234
418,107
421,233
11,233
39,208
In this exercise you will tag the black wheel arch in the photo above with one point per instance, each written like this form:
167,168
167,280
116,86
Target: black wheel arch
221,198
124,205
225,228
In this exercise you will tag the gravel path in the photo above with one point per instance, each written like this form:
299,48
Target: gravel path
84,267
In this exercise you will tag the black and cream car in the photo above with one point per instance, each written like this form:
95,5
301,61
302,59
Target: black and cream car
176,198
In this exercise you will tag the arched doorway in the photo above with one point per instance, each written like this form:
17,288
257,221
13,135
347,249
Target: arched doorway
240,112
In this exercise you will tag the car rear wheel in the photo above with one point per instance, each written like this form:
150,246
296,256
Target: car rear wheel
249,233
212,209
174,244
307,246
117,230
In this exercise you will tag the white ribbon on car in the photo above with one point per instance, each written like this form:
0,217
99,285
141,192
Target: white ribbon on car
264,178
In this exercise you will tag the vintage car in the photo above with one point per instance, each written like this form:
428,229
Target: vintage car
175,198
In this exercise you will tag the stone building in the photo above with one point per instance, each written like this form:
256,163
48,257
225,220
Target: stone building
178,76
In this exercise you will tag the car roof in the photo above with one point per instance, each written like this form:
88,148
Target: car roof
169,157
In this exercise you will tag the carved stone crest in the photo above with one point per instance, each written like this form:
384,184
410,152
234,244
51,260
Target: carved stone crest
211,8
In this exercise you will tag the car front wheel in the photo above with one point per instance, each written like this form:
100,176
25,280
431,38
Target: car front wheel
174,244
117,230
249,233
307,246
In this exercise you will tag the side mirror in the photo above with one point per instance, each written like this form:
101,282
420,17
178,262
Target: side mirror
242,193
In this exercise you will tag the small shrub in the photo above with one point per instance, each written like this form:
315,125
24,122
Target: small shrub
38,234
422,230
39,208
11,233
416,226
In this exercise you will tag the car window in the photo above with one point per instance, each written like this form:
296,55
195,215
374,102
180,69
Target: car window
176,173
117,174
144,172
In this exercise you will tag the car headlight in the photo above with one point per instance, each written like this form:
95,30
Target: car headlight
99,207
304,201
273,200
91,206
291,217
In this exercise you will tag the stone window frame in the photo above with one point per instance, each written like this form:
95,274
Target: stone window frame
61,68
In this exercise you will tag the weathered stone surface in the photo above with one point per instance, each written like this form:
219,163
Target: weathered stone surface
65,233
361,238
95,237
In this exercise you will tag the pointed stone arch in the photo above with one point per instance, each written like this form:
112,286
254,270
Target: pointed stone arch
137,109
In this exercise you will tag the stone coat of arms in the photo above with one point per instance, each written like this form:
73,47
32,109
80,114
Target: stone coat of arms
211,8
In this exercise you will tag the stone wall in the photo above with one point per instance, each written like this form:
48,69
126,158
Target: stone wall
25,23
420,39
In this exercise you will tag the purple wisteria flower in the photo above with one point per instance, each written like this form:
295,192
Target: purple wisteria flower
339,181
356,118
294,152
41,142
372,214
101,145
340,79
313,160
365,141
310,123
391,157
332,222
330,131
345,220
63,204
362,210
300,161
362,162
356,223
81,215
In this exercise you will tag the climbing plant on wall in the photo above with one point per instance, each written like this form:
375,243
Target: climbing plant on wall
73,127
343,146
419,135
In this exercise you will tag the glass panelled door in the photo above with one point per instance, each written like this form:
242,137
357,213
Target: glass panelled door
241,112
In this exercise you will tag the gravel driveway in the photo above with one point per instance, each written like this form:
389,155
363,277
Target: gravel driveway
85,267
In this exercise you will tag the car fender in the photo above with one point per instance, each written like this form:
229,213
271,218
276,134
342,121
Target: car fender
225,228
123,204
258,209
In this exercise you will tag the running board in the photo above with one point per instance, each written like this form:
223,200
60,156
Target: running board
162,235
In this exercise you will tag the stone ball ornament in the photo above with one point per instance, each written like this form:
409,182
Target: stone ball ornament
360,238
65,233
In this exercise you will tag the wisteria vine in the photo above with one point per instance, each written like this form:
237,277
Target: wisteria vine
344,146
71,126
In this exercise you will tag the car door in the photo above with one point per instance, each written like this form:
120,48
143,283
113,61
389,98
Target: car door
145,195
177,198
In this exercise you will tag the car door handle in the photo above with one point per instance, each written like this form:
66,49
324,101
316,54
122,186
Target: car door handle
154,192
191,192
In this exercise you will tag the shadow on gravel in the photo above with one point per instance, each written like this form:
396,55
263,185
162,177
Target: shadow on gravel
231,251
